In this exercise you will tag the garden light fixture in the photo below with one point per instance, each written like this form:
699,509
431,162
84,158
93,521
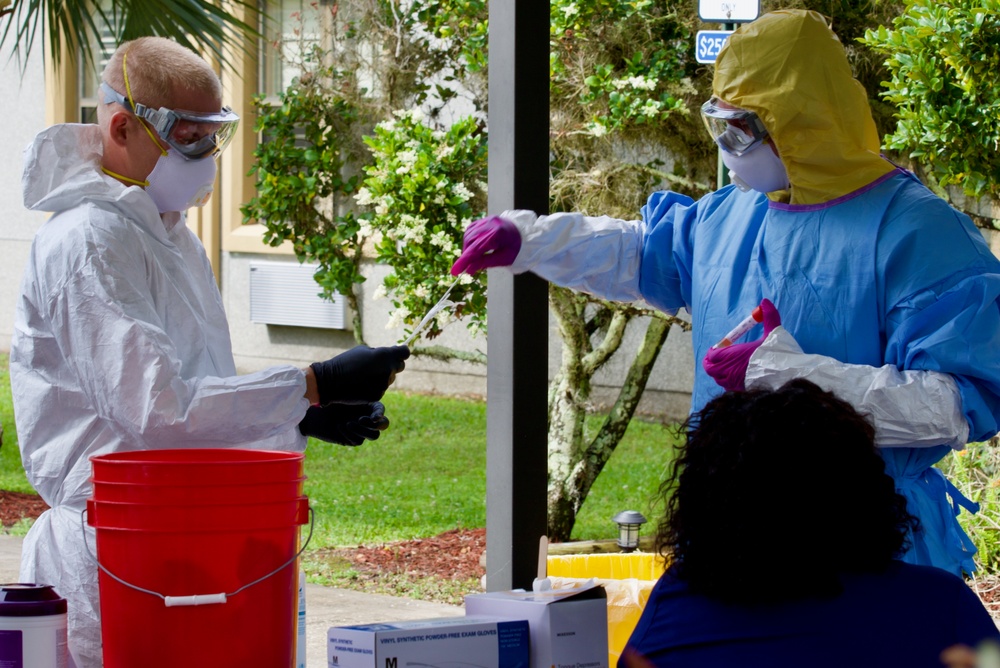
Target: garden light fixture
628,522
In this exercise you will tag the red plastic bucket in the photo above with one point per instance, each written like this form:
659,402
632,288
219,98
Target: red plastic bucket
198,467
162,561
127,492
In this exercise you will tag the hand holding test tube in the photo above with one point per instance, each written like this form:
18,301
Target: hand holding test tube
756,316
726,362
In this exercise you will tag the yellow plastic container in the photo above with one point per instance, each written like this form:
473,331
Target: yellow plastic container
615,566
628,580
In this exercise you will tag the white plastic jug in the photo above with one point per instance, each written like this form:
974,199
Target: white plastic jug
32,627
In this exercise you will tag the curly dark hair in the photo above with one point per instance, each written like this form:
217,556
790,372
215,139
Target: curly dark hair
777,493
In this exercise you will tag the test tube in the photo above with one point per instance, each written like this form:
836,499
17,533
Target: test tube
757,315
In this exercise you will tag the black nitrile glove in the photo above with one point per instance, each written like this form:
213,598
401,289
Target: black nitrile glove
345,424
360,375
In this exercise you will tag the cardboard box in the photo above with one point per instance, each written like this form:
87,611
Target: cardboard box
569,627
446,642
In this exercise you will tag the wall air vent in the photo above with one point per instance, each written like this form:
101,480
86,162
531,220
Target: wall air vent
284,293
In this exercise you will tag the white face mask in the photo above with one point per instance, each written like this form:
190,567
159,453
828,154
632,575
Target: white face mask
759,169
176,184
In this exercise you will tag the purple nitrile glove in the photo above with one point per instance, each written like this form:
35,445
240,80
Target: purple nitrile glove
488,242
728,366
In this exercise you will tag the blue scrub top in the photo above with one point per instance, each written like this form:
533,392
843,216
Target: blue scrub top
889,274
903,617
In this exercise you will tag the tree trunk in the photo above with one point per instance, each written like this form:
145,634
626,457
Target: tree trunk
573,463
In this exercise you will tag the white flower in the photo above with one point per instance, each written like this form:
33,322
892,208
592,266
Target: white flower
381,208
363,197
464,279
451,218
403,169
388,126
597,129
642,83
412,228
414,115
462,192
380,292
407,157
443,318
571,10
444,151
651,108
365,228
441,240
421,292
398,317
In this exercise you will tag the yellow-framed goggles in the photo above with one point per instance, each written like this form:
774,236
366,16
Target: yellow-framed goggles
193,134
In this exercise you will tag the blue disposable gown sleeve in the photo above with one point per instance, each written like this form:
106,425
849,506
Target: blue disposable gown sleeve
940,287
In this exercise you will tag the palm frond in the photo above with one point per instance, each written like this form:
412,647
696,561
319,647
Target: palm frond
196,24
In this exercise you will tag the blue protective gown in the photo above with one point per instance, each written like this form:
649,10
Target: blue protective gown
865,265
889,274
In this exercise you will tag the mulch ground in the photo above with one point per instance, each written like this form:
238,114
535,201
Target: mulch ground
453,555
16,505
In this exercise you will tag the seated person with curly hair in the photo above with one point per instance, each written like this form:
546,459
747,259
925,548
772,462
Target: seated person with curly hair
783,529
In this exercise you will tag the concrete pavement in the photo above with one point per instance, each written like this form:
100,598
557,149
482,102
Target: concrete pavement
325,606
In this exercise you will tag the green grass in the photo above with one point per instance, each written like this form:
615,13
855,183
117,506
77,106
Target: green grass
426,474
12,476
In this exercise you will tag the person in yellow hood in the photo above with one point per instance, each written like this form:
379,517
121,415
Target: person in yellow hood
893,295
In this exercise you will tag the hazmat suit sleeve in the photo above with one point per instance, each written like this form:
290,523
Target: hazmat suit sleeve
110,329
907,408
618,260
596,255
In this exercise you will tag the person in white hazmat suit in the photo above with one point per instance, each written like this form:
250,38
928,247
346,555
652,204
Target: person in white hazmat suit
120,339
872,286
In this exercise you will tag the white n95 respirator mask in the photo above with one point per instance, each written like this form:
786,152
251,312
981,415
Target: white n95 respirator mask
177,184
758,169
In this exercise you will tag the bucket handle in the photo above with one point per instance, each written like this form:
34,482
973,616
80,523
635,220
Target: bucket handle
196,599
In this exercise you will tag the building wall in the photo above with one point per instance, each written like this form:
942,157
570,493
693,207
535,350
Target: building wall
22,108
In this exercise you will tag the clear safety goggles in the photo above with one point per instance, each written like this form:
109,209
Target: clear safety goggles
736,131
193,134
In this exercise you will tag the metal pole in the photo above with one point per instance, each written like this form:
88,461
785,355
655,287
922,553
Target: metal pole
517,370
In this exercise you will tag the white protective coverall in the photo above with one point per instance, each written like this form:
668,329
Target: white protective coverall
120,343
888,297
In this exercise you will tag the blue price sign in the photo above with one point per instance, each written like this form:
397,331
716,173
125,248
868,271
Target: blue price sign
708,43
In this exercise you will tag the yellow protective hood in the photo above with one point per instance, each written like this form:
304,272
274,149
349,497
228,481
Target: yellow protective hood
791,69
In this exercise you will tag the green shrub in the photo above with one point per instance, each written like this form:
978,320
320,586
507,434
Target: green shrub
945,63
975,471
